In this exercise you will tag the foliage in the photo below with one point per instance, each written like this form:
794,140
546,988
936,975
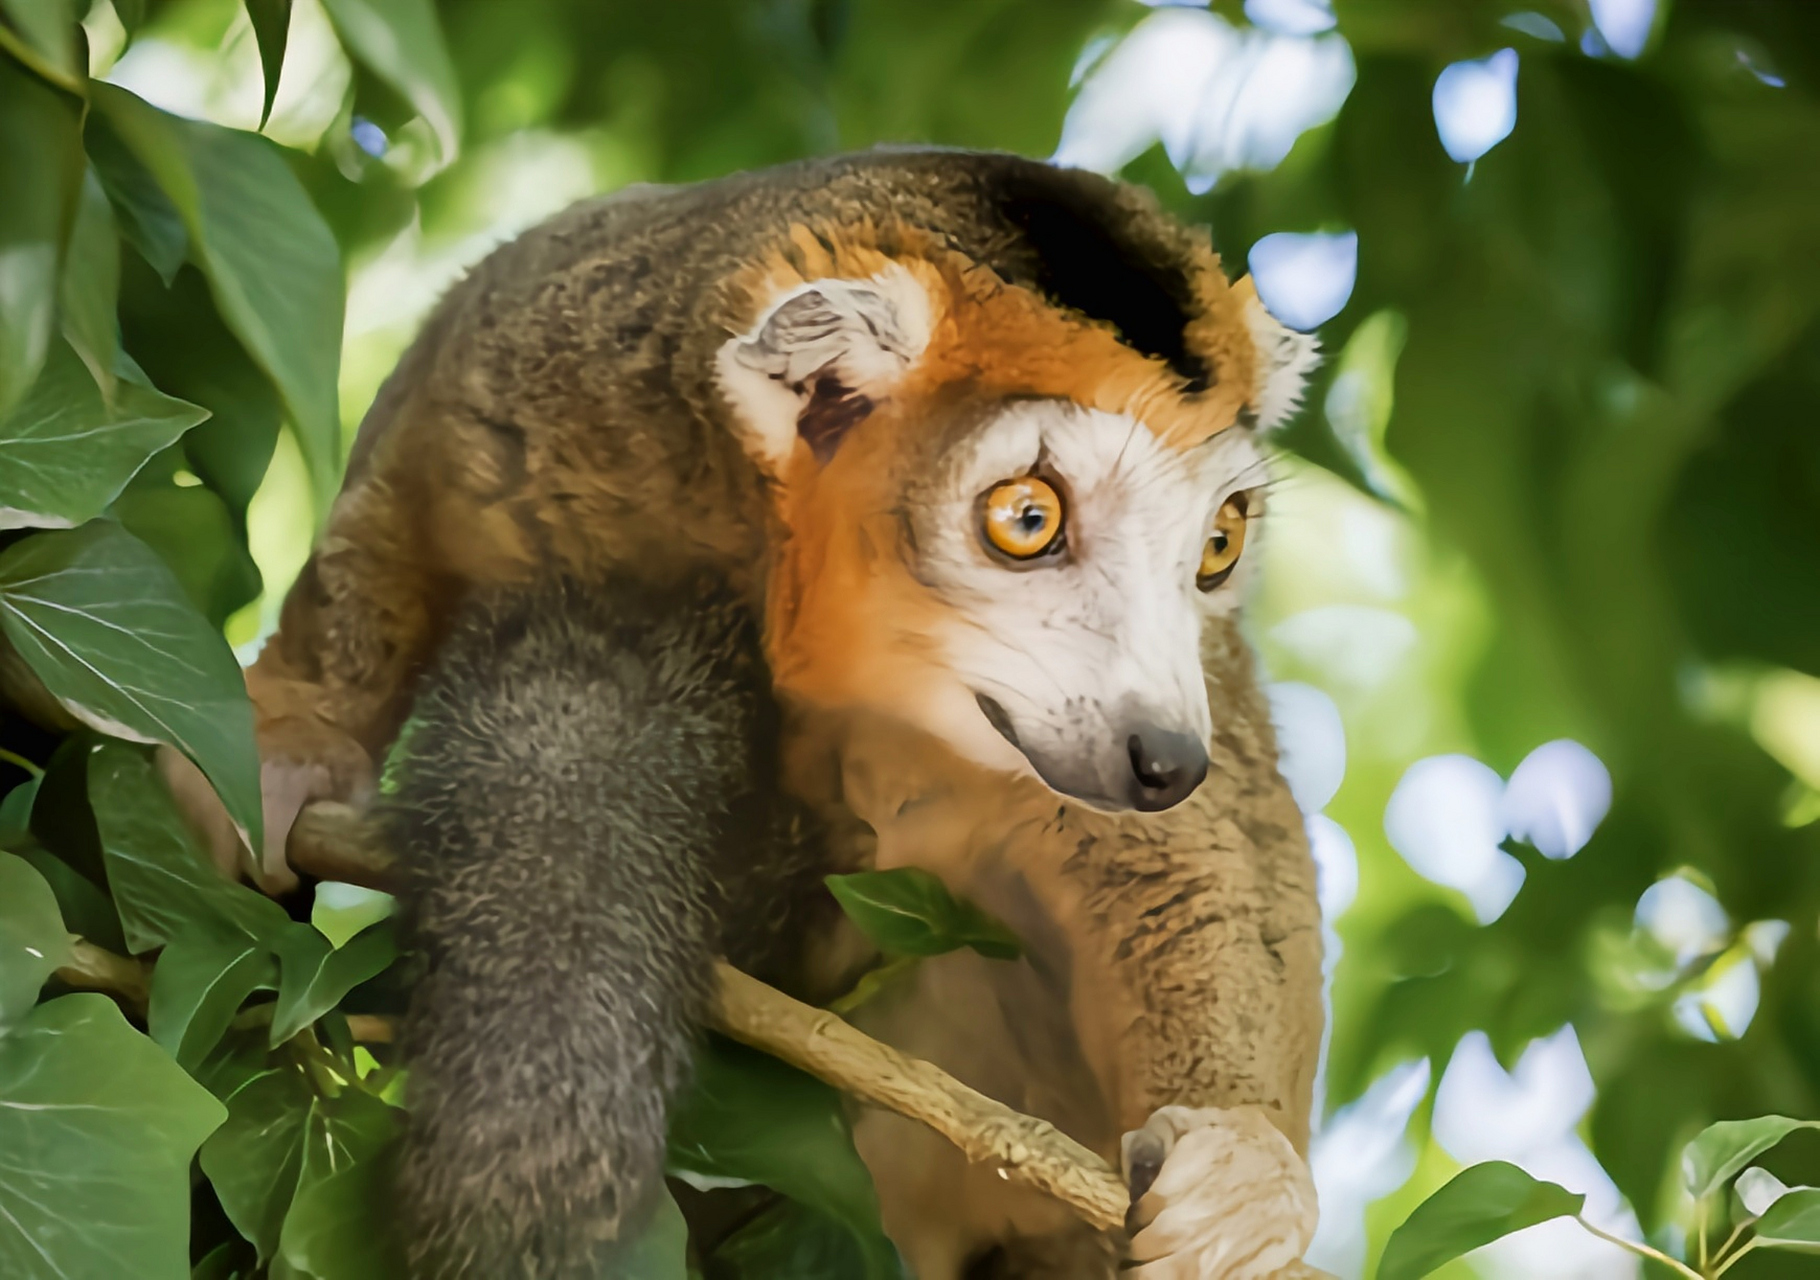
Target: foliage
1574,382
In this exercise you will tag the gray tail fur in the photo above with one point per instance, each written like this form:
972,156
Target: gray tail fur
582,768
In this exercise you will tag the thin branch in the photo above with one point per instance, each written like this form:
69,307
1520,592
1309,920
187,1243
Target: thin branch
1026,1150
1641,1250
93,968
1732,1261
333,841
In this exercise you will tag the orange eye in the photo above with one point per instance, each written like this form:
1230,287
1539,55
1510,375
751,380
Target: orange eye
1224,545
1023,518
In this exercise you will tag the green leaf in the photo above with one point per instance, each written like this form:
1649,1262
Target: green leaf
148,218
41,156
202,977
1793,1222
1720,1151
162,881
271,262
1484,1203
340,1226
255,1159
910,912
106,1124
271,21
752,1119
400,41
49,28
85,908
223,1262
101,621
32,938
70,451
317,976
16,813
662,1251
788,1242
91,284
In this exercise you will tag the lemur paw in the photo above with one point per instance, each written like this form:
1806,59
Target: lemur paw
1215,1195
302,761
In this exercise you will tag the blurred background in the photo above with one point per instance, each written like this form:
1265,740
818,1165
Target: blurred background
1543,600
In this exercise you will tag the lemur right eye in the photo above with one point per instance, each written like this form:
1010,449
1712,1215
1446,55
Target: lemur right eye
1022,518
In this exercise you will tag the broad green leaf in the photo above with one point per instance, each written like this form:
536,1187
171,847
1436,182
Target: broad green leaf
316,976
341,1225
223,1262
751,1119
1721,1150
1484,1203
788,1242
400,41
32,938
202,977
909,911
271,262
85,908
271,21
256,1157
101,621
194,532
148,218
91,284
49,29
178,335
41,156
101,1125
1793,1222
16,813
661,1252
70,452
161,880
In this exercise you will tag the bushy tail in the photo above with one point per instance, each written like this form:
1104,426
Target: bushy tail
560,797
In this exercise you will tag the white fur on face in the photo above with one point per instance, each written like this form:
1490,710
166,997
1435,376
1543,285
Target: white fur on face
1082,650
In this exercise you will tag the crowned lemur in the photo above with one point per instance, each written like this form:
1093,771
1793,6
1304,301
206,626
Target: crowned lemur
875,511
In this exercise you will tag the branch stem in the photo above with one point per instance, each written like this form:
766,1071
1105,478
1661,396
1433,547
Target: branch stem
1642,1250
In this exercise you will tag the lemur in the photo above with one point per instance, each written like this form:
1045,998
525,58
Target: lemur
883,510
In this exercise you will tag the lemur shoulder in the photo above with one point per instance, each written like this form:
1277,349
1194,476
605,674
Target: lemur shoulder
880,510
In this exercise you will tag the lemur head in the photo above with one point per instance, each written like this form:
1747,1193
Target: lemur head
1011,510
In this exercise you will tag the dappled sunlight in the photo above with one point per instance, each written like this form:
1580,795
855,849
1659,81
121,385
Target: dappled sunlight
1362,1153
1444,819
1217,97
1530,1116
1556,798
1475,104
1304,280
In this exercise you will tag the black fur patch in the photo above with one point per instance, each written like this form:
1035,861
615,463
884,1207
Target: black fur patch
1088,259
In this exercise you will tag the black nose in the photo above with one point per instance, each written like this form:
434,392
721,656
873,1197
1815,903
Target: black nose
1166,767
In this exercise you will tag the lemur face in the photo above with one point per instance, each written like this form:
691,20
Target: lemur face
1078,559
1001,523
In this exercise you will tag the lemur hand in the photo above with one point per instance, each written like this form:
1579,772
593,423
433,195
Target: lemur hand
1216,1195
302,760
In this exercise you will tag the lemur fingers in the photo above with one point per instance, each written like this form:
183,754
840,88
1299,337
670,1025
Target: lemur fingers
1217,1195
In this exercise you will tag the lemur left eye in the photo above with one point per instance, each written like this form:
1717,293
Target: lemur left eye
1022,518
1224,545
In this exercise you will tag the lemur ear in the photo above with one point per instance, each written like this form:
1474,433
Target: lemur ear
1285,358
818,362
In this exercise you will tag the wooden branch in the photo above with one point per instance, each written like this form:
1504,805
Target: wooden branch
333,842
1024,1149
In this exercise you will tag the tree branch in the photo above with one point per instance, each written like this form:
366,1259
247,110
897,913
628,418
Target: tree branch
334,842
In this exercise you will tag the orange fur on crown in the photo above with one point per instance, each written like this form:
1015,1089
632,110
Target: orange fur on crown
847,622
1008,340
